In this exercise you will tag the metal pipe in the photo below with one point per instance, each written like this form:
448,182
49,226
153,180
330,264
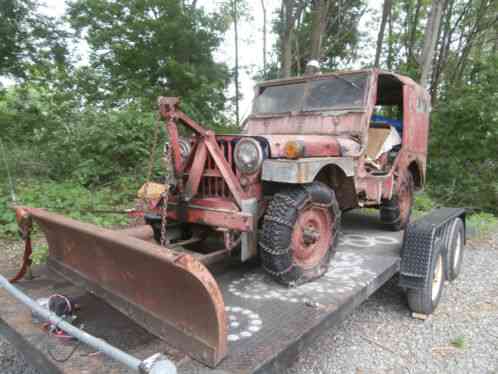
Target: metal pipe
156,364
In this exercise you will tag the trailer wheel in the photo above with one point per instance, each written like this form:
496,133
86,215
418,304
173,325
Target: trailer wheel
426,300
396,212
300,233
455,249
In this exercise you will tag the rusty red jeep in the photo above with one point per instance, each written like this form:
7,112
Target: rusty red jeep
313,147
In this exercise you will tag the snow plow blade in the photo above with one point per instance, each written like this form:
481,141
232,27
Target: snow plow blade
170,294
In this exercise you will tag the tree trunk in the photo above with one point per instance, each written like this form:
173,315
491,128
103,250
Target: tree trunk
390,49
445,42
413,31
319,22
236,35
297,53
386,10
286,38
430,39
290,12
264,37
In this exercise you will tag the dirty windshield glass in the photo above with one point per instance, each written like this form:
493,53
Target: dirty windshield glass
280,99
331,92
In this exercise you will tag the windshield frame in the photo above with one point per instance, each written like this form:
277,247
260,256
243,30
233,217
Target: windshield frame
307,80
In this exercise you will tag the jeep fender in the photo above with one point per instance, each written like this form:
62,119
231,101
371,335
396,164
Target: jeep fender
303,170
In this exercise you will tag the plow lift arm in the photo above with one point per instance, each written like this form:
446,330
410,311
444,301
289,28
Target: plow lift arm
168,108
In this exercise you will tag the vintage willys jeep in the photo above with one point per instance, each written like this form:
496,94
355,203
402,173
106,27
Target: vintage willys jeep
314,146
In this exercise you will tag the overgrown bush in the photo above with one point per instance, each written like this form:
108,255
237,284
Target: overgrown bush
71,199
98,147
463,161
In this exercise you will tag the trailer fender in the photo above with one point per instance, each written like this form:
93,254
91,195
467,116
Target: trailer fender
421,239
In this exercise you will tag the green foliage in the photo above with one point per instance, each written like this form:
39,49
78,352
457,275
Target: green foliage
463,165
147,48
71,199
40,254
47,137
98,147
423,204
481,224
458,342
29,41
24,110
340,40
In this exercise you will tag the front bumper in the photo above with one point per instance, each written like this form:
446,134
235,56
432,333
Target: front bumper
212,216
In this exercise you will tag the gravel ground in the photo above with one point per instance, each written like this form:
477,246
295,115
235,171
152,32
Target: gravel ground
12,251
381,337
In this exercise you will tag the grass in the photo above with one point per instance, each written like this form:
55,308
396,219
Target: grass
482,224
458,342
78,202
71,199
40,254
479,224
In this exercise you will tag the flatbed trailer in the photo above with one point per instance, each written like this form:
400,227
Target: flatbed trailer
268,324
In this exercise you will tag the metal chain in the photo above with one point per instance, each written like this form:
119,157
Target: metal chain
165,194
167,181
150,165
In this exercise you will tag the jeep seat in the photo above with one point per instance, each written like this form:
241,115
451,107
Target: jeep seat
381,140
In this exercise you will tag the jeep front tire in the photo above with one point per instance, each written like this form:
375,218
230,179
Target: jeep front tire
300,233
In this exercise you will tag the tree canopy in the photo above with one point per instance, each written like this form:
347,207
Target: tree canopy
64,116
147,48
29,41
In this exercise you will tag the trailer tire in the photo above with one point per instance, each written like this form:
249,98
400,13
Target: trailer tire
455,247
396,212
300,233
425,300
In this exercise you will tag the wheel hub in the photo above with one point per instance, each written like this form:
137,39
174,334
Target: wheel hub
312,235
438,277
458,250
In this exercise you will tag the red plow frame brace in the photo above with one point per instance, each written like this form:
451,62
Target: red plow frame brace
168,108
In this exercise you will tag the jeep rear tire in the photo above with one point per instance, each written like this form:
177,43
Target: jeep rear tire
396,212
300,233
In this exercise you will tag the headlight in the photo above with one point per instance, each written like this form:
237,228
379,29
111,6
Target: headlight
248,155
185,148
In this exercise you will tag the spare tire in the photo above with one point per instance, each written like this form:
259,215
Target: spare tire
300,233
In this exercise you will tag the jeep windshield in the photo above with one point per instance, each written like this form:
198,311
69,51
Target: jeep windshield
330,92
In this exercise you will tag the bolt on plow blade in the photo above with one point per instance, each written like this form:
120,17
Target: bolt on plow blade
170,294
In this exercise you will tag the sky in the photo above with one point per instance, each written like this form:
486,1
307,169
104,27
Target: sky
250,43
